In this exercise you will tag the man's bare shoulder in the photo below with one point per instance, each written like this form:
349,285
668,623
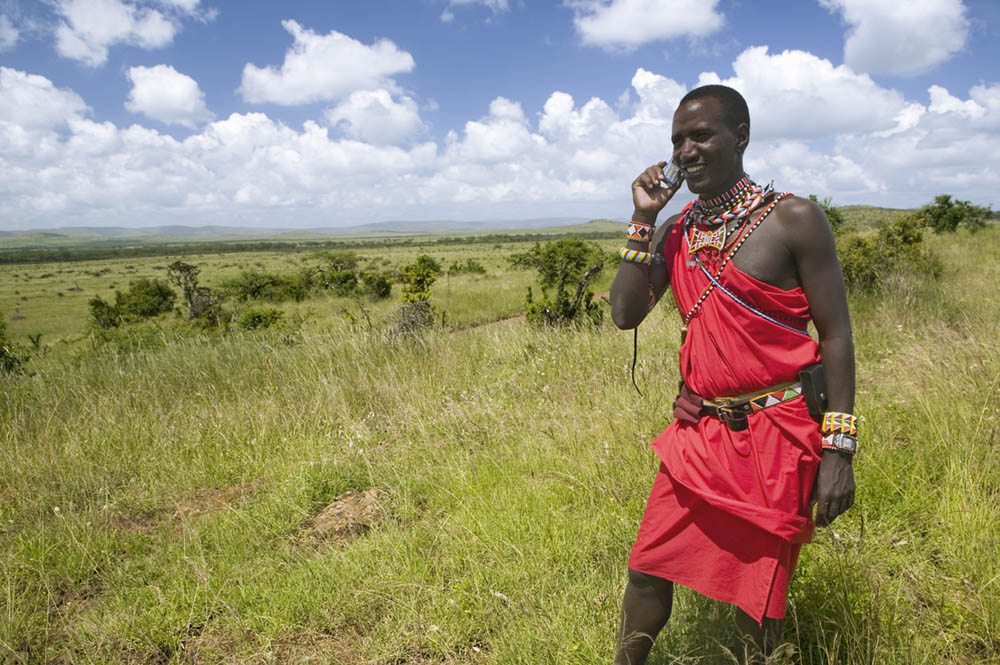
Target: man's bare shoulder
802,223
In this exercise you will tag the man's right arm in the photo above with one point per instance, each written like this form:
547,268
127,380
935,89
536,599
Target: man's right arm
630,291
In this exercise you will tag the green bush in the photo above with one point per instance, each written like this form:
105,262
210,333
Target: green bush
946,215
418,277
469,266
252,285
145,298
12,355
897,248
103,314
568,263
258,318
376,285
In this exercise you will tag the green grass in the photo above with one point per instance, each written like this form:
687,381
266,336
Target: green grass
154,501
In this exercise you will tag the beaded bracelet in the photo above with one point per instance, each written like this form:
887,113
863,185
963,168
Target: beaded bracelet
635,256
834,422
639,231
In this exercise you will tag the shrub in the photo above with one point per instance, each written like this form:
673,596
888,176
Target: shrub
469,266
563,264
258,318
946,215
252,285
103,314
411,317
145,298
12,356
897,248
418,277
376,285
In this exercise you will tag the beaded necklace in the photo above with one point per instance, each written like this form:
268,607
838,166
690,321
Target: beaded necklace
728,255
725,199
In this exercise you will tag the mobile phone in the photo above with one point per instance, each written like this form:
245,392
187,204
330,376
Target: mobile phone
672,174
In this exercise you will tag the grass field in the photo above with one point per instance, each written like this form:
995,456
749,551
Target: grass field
176,501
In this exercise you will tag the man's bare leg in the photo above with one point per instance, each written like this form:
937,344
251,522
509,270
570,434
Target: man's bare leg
758,639
645,610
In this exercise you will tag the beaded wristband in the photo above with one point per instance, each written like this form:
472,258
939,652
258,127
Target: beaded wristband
840,441
640,231
635,256
834,422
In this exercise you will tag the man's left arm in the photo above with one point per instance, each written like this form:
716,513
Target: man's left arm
815,253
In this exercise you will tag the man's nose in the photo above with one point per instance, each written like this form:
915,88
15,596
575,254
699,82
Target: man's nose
685,152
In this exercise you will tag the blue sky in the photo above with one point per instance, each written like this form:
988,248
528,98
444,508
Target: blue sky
316,114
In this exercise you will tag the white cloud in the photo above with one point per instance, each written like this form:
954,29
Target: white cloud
943,102
90,27
496,6
324,67
901,38
797,95
566,158
8,34
33,103
626,24
162,93
374,117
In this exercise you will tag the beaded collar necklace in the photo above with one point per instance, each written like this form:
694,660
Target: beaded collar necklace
710,232
716,204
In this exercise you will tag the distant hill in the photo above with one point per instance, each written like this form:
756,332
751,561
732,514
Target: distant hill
112,236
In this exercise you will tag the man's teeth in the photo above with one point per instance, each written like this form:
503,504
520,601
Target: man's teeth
691,170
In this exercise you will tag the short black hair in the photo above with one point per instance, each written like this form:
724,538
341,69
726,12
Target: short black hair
733,104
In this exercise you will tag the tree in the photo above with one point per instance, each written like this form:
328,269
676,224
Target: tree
945,215
185,277
832,213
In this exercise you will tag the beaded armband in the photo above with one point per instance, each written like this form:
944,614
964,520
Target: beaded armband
835,422
635,256
640,231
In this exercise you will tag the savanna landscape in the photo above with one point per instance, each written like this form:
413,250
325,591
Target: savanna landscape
312,470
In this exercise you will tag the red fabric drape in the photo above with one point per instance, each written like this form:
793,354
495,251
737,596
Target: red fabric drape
729,510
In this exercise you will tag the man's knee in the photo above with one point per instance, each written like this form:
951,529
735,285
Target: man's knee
643,581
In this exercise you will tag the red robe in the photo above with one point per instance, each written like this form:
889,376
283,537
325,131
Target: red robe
729,510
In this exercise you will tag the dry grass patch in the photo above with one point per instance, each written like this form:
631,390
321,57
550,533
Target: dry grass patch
210,499
350,514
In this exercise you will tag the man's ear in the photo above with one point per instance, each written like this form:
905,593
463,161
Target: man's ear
742,137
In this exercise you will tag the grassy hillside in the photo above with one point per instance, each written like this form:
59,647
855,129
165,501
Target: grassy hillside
176,501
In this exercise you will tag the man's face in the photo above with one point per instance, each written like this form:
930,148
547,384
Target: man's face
707,149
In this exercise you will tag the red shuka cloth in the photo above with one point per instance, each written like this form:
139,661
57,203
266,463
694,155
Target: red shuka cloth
729,510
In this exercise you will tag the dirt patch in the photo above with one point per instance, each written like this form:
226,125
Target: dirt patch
350,514
210,499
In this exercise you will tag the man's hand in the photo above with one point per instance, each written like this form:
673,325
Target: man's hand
650,192
834,489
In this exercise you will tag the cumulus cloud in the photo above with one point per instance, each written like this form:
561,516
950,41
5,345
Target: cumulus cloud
375,117
627,24
8,34
324,67
32,102
797,95
901,38
90,27
162,93
567,158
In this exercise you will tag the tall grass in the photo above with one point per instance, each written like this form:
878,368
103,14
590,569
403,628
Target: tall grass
155,501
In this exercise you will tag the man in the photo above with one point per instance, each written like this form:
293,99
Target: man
748,267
